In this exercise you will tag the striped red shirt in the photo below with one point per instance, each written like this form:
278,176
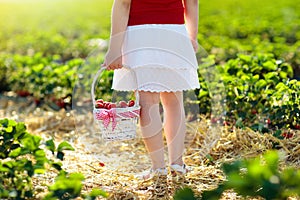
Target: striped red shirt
156,12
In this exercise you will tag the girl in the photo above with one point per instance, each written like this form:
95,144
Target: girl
157,40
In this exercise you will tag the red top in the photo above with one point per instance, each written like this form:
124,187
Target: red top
156,12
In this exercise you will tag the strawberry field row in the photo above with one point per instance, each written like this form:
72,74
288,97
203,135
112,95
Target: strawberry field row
224,31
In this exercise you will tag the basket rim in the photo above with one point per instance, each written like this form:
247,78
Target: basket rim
118,110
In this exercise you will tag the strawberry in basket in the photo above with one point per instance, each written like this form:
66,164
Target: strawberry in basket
108,105
104,104
123,104
99,103
131,103
111,113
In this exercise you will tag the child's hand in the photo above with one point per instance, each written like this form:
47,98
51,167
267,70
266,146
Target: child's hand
195,45
112,62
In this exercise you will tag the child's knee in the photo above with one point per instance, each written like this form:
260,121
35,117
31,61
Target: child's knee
148,98
172,99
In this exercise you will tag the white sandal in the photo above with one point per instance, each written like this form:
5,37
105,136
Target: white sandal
179,169
153,172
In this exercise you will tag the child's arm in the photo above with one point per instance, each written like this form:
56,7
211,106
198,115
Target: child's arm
191,12
119,21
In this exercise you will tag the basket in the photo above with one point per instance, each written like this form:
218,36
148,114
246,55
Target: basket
116,123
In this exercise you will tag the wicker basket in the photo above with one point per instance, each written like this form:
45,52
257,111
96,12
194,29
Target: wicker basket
116,123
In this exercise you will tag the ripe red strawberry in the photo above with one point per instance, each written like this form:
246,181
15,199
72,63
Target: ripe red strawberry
99,105
131,103
101,164
287,135
254,112
268,121
60,103
99,101
37,101
214,120
108,106
23,93
122,104
104,105
297,126
113,105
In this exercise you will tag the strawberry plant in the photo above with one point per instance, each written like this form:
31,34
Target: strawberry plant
259,92
69,186
256,177
285,111
242,29
22,157
44,78
259,177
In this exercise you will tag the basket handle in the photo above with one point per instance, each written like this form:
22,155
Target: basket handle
137,97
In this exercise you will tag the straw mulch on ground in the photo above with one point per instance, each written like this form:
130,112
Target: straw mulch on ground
112,166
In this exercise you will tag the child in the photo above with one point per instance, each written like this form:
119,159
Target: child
157,40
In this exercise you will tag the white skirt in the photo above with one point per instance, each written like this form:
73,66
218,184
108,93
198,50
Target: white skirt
158,58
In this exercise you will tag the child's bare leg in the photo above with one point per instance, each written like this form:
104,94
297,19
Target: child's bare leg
174,125
151,127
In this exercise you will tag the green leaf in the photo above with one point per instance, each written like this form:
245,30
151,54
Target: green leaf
57,165
76,176
40,171
9,129
285,67
11,123
20,130
50,145
272,160
4,122
260,84
15,153
69,184
213,194
60,155
278,134
64,146
32,142
203,93
232,167
97,192
3,168
270,75
27,165
184,194
270,66
40,154
283,75
239,123
20,127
